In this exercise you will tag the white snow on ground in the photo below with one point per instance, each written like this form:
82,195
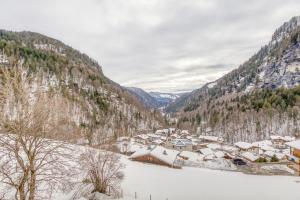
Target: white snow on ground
196,184
278,167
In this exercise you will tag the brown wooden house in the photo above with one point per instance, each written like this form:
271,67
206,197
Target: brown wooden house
157,155
295,155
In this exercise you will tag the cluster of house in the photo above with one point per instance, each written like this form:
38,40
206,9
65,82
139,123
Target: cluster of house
167,146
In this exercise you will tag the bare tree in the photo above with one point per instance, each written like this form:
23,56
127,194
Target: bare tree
32,163
102,173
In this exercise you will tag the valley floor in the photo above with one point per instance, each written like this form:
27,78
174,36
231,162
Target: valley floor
198,183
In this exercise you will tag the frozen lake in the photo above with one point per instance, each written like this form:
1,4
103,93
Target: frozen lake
204,184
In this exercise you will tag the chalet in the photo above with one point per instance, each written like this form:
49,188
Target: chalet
162,132
244,146
270,154
262,146
295,154
181,144
157,155
250,156
279,141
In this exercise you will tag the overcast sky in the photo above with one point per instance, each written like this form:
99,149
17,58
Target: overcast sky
157,45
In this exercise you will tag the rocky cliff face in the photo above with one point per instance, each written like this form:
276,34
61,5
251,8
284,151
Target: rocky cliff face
97,105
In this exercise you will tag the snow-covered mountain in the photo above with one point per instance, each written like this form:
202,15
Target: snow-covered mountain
164,99
145,98
153,99
95,102
275,65
260,97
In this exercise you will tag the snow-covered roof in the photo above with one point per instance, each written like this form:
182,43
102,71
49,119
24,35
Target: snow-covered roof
272,153
209,138
214,146
249,156
184,132
166,155
162,131
283,138
294,144
262,143
269,153
229,148
243,145
209,157
153,135
182,142
142,136
159,141
140,152
192,155
206,151
219,154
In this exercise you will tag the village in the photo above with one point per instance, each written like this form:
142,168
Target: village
175,148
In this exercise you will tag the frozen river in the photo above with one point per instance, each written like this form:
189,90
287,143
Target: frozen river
204,184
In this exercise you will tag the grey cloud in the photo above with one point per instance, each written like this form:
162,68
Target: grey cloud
157,45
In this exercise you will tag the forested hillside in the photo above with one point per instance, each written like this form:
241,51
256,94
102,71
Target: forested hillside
257,99
97,106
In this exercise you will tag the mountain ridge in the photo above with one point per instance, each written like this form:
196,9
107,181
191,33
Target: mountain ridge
98,106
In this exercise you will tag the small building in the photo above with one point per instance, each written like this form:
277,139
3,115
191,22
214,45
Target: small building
180,144
295,154
157,155
245,146
162,132
279,141
250,156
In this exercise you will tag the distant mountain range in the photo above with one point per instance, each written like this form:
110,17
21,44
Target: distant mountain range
153,99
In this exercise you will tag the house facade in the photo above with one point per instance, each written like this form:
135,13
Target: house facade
295,155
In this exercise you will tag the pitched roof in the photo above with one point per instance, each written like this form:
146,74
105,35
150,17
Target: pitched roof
209,138
243,145
166,155
249,156
284,138
206,151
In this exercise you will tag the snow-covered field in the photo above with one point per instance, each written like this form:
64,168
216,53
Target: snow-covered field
190,183
197,183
